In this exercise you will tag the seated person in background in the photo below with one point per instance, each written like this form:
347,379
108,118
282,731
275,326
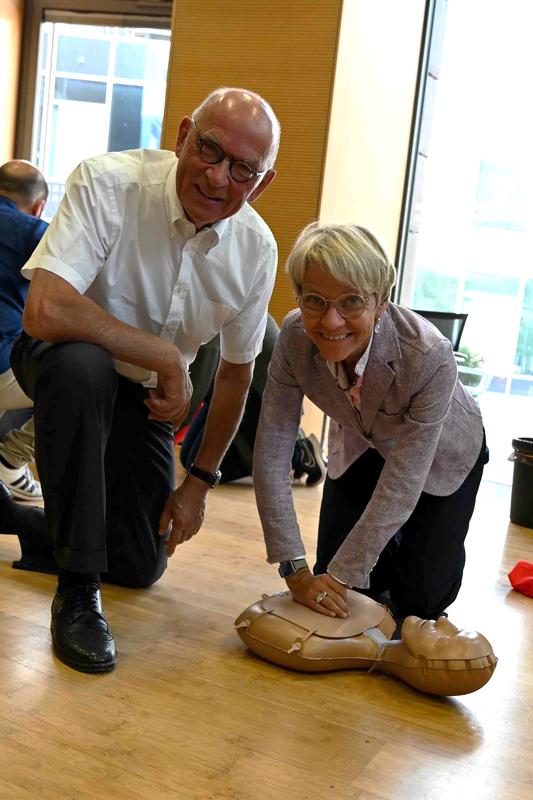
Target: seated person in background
406,441
237,463
23,194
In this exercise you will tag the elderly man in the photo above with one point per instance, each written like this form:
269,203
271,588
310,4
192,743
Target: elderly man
147,258
23,194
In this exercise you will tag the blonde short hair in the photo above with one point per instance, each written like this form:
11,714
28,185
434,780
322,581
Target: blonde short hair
350,253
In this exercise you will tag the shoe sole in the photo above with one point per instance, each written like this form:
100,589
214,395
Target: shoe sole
22,496
88,668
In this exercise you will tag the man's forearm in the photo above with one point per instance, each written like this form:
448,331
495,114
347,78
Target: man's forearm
225,413
56,312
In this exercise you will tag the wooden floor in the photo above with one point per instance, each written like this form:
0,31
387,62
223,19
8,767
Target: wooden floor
189,714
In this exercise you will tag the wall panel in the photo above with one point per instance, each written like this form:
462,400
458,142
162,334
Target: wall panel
286,51
11,14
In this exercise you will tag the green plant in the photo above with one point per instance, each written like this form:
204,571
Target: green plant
471,359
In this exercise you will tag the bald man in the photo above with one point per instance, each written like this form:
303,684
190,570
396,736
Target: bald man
23,194
148,257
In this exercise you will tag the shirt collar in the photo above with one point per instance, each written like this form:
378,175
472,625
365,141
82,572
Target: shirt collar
7,201
344,380
177,220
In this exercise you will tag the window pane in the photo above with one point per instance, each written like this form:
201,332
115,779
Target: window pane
435,292
84,91
524,347
79,114
501,196
469,241
125,127
89,56
130,60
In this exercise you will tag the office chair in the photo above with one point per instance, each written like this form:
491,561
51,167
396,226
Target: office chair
450,324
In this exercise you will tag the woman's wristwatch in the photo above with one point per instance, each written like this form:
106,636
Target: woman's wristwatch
288,568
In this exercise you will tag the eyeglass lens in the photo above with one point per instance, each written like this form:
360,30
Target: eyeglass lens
348,305
212,153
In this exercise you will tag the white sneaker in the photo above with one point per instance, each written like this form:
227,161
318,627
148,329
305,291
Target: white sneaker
20,482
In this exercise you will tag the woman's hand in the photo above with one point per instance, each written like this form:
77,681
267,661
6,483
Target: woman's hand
306,587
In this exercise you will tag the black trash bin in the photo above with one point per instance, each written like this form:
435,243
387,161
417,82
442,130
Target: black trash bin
522,493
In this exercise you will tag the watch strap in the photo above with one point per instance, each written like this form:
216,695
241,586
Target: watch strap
211,478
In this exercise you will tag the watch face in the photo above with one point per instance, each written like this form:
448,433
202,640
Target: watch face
288,568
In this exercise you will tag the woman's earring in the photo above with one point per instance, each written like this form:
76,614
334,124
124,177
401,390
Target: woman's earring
377,326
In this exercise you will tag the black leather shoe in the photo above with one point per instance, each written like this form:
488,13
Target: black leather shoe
80,633
37,550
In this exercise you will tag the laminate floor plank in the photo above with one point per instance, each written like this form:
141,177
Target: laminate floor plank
190,714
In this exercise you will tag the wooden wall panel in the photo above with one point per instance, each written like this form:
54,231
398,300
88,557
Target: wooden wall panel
286,51
11,14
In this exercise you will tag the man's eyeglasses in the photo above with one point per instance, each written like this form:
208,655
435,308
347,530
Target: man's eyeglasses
349,306
212,153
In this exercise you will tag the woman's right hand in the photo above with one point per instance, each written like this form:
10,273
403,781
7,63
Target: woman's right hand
306,587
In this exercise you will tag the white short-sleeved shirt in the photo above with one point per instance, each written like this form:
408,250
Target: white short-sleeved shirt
121,237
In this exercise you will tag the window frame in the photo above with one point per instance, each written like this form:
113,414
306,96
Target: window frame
151,13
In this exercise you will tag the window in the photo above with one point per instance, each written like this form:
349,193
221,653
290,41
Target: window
99,83
469,218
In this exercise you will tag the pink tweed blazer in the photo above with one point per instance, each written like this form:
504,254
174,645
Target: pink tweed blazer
414,411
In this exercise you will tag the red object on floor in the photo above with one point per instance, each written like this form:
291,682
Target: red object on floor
180,435
521,577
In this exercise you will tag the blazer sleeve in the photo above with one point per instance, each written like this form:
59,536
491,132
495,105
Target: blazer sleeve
405,471
281,410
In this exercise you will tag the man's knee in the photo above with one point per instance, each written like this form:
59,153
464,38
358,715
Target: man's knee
75,370
136,573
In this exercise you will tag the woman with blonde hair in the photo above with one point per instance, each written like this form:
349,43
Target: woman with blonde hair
406,441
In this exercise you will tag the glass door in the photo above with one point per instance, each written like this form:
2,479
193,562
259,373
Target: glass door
469,243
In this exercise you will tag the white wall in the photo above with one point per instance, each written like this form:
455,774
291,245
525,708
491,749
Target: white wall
372,106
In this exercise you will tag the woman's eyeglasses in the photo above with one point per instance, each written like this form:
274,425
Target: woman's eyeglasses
349,305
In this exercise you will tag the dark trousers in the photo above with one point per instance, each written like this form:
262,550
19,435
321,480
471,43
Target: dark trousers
106,470
422,566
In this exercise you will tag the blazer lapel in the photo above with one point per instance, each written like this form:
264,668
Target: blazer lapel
379,372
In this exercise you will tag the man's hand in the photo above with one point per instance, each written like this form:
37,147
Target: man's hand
184,512
305,588
170,401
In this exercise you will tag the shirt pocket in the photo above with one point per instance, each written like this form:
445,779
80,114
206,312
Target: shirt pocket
210,320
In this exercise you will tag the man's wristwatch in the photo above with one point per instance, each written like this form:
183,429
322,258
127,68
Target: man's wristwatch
211,478
288,568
